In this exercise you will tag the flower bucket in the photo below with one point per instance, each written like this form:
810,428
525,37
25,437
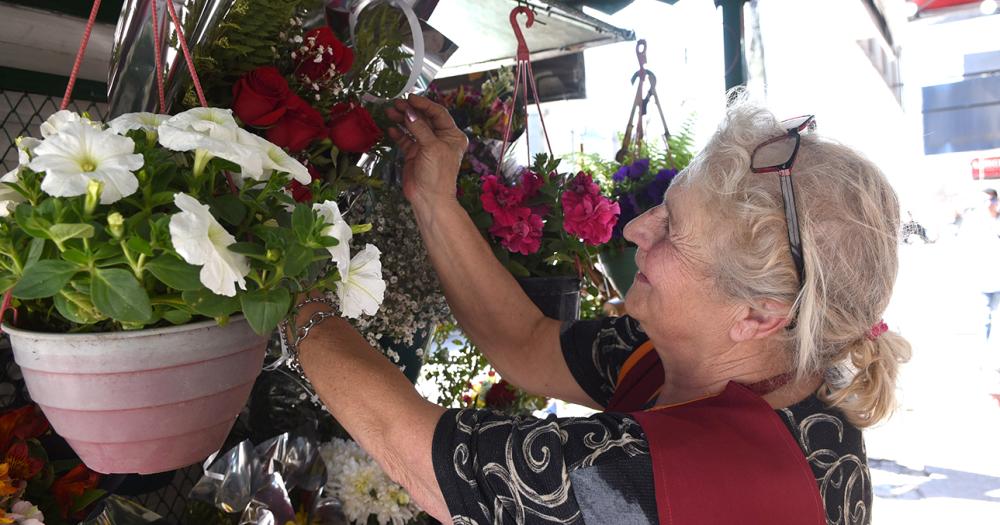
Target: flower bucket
556,297
146,401
620,268
410,355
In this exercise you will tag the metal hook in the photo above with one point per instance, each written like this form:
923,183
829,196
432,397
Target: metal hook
640,52
522,46
648,73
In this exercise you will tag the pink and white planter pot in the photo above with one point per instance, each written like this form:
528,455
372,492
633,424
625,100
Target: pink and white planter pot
145,401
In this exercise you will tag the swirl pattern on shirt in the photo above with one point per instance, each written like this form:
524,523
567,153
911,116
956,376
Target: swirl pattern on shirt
519,470
843,478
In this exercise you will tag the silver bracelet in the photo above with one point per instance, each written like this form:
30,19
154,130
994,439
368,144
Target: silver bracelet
290,349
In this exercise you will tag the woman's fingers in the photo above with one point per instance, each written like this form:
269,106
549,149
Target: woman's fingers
438,117
395,115
413,121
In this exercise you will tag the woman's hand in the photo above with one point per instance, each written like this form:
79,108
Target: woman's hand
432,147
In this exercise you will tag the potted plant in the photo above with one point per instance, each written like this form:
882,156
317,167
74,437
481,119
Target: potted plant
143,264
636,184
542,225
544,229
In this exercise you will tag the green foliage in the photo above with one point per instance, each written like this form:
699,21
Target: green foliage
249,36
677,156
70,266
452,371
378,52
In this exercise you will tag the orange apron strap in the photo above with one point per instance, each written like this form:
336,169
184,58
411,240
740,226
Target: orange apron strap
639,380
729,459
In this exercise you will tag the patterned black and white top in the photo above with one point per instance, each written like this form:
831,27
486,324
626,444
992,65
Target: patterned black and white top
495,469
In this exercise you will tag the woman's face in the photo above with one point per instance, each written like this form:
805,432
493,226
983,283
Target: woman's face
672,295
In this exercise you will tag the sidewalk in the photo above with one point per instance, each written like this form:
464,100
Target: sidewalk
938,459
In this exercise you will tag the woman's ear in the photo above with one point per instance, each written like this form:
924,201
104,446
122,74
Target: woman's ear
759,323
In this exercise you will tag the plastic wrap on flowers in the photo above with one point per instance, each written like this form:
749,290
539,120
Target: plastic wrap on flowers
116,510
267,484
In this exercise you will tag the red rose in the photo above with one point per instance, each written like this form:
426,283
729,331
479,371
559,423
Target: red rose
260,98
300,125
587,214
352,129
501,395
321,55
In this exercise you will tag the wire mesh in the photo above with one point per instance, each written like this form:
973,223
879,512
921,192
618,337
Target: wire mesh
23,113
169,502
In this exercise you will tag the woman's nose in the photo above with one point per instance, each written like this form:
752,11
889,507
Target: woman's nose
636,231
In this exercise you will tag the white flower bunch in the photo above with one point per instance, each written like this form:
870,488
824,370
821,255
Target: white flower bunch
155,219
23,513
414,303
362,487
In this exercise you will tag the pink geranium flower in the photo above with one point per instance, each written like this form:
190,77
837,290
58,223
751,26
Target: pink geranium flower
587,214
519,230
497,196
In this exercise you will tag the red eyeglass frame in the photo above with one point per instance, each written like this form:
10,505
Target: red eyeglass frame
793,129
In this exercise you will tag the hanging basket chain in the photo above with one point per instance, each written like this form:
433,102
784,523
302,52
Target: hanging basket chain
79,55
640,105
157,59
524,75
187,52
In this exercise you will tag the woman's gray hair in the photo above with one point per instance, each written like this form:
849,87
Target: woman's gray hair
849,217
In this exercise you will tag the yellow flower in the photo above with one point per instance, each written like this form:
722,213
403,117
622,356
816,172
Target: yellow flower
4,518
6,484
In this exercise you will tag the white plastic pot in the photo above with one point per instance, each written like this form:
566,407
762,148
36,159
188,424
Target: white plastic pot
145,401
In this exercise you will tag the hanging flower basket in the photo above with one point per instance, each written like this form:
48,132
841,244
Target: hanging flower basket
144,262
619,266
145,401
557,297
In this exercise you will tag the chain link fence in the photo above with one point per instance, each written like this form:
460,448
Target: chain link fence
23,113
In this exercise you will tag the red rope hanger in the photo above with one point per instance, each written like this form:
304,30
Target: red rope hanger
172,11
524,74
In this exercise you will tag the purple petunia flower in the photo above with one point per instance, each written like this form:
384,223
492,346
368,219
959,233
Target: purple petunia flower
620,175
638,169
654,190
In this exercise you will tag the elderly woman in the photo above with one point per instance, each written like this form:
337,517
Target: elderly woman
733,391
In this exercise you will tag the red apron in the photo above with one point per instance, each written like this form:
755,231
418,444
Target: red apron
719,460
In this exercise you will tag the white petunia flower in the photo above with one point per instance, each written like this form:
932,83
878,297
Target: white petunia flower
26,149
60,119
362,289
80,153
337,228
142,120
274,158
215,122
200,240
210,132
9,198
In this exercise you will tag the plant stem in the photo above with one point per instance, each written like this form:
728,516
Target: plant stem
136,266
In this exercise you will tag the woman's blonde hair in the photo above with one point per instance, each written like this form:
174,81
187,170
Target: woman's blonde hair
849,218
